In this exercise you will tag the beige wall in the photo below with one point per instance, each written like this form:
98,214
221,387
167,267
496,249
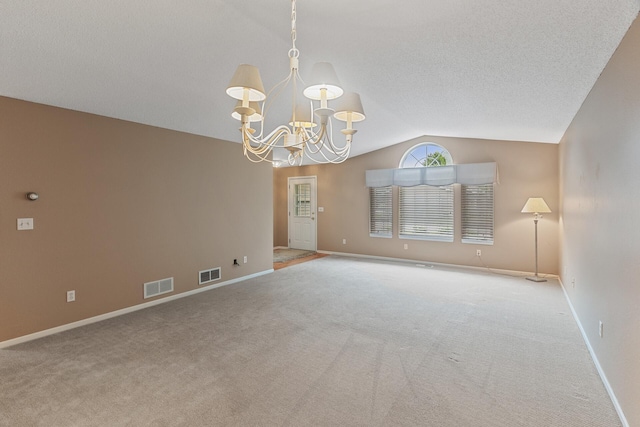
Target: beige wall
526,170
120,204
600,228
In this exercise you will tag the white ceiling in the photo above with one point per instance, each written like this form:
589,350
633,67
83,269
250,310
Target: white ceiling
495,69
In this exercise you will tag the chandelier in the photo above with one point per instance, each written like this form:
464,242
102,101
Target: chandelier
309,134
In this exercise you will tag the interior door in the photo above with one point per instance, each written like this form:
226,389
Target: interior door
302,213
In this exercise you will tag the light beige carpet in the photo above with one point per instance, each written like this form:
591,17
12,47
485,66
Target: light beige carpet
331,342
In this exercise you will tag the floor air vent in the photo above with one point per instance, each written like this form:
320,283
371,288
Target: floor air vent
211,275
159,287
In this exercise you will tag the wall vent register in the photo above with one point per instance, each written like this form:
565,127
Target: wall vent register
210,275
159,287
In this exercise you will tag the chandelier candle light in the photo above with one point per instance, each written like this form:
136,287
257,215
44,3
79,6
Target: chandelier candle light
299,136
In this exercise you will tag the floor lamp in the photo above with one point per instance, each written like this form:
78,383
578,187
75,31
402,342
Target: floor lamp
536,206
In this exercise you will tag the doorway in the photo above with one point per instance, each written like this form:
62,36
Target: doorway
302,212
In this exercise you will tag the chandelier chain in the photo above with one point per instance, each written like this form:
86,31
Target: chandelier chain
294,52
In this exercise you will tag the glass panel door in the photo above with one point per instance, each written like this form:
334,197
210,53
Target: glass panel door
302,200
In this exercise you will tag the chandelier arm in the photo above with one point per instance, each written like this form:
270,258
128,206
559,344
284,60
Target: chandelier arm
322,143
267,140
264,145
258,159
338,155
266,105
256,151
315,141
248,155
300,79
325,142
334,147
247,138
292,159
324,138
339,150
275,91
310,137
338,159
261,157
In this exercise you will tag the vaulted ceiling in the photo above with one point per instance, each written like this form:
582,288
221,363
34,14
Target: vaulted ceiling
495,69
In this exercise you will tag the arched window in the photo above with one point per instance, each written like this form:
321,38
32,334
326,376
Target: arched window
426,212
426,154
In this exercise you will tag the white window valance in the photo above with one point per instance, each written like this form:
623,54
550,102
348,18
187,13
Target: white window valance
467,174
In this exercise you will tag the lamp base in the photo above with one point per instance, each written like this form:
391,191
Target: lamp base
536,279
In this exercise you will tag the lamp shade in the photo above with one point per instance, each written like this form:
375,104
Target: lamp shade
323,76
535,205
303,117
255,117
349,103
246,77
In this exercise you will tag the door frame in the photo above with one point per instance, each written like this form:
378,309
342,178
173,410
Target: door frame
314,204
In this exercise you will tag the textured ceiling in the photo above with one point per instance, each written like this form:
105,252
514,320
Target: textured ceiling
495,69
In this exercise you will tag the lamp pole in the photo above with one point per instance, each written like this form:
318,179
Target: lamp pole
535,277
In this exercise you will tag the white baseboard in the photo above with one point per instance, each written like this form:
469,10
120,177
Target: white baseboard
603,377
126,310
522,274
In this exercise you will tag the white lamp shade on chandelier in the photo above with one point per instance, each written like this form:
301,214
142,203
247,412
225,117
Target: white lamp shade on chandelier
308,133
323,77
303,117
349,103
246,82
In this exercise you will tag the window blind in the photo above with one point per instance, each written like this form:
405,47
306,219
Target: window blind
380,211
477,213
426,213
467,174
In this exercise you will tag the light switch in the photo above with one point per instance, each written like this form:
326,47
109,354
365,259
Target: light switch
320,209
25,223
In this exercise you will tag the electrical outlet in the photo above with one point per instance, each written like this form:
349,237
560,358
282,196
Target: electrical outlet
344,241
235,261
478,252
573,282
245,259
406,246
600,329
25,223
71,296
